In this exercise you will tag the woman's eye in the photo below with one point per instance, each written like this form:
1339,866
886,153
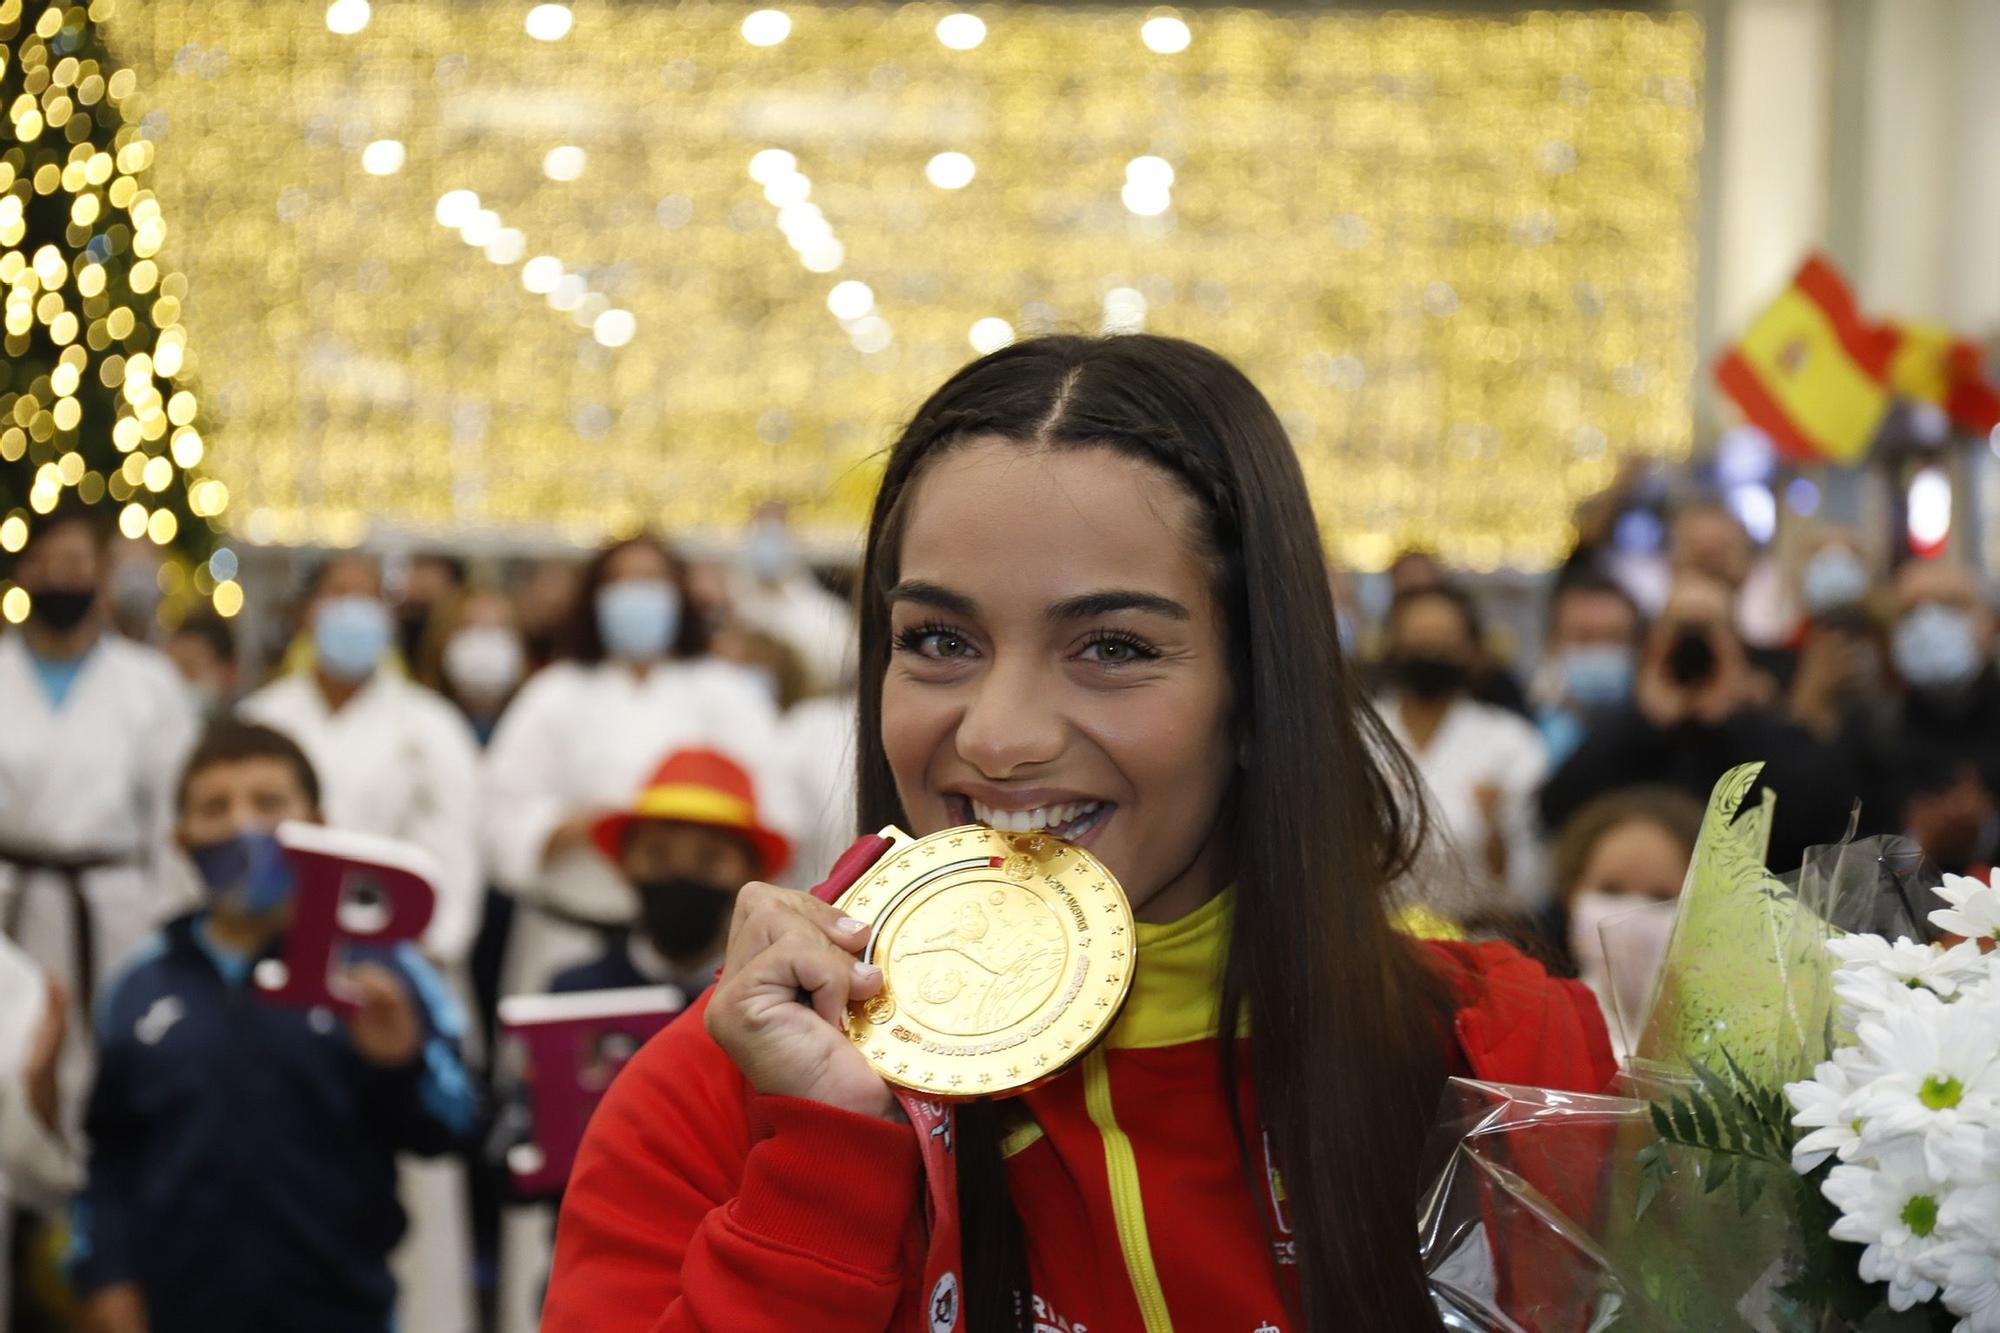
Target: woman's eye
934,643
1117,652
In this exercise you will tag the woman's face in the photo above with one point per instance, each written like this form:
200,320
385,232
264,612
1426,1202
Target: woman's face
1059,661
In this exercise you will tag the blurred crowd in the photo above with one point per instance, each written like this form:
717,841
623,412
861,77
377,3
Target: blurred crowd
594,755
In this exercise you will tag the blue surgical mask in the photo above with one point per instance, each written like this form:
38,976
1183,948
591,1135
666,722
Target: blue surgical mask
1934,647
1597,675
350,635
1834,577
638,619
248,873
768,552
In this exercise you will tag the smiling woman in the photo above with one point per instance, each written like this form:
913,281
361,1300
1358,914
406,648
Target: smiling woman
1094,601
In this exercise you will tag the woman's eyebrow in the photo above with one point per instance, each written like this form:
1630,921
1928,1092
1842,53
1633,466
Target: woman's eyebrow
1104,603
935,596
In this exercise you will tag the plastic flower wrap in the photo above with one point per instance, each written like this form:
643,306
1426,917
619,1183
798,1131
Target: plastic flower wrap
1808,1133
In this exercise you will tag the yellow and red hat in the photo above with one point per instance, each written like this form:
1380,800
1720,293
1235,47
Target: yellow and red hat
699,787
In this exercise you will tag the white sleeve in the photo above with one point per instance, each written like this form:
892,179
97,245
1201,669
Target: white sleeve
447,826
522,810
1527,767
741,720
40,1168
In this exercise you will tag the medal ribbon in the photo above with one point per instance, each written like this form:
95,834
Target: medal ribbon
936,1127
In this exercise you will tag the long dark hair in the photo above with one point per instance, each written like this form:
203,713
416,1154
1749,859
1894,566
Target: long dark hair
580,639
1348,1025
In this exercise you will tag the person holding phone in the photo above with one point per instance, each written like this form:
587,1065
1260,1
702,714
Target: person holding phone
1699,708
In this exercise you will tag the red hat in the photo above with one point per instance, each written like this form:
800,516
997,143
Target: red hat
698,787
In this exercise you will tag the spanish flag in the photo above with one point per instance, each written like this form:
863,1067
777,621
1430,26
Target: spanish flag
1932,364
1810,373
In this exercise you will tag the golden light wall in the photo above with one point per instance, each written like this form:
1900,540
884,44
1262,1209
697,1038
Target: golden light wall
1456,251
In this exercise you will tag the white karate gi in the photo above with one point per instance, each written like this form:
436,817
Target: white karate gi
816,753
808,619
580,736
1479,745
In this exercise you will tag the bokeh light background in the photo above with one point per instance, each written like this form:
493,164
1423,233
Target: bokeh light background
1457,251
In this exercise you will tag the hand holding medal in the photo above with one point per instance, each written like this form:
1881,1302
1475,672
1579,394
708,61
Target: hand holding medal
971,963
783,943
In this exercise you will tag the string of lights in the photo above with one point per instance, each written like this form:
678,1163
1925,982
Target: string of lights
572,269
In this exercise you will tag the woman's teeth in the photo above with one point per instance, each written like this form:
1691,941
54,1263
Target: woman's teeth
1066,820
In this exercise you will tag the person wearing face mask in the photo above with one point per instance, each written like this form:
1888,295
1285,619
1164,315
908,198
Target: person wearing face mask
773,590
203,649
1698,709
1618,855
133,590
1838,691
1480,764
1587,668
397,760
474,650
1947,719
1838,661
689,840
482,659
433,581
242,1165
93,729
1834,576
586,731
686,841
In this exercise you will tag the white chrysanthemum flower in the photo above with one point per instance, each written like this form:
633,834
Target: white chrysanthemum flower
1876,976
1939,1069
1975,907
1892,1207
1822,1104
1972,1286
1974,1211
1965,1153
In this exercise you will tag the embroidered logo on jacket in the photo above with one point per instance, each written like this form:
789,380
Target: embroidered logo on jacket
944,1304
156,1022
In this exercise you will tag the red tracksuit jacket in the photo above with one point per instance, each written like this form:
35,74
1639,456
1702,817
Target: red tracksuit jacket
698,1205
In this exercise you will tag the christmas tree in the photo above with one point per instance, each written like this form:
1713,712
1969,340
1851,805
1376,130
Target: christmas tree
93,401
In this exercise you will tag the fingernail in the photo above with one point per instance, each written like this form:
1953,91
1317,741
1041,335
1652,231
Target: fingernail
866,972
850,925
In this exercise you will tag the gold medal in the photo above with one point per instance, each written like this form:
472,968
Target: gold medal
1004,956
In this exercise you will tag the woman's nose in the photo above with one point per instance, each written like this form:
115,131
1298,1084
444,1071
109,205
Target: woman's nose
1012,721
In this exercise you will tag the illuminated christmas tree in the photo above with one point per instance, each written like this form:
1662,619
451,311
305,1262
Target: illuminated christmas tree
93,401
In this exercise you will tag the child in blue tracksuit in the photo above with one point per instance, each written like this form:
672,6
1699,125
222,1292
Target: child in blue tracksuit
242,1171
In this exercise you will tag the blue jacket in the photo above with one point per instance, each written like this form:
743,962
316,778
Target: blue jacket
243,1155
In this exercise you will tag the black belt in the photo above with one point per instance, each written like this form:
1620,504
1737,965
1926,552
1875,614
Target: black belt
82,926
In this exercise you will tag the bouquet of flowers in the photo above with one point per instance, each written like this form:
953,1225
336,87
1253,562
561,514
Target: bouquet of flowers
1904,1119
1809,1136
